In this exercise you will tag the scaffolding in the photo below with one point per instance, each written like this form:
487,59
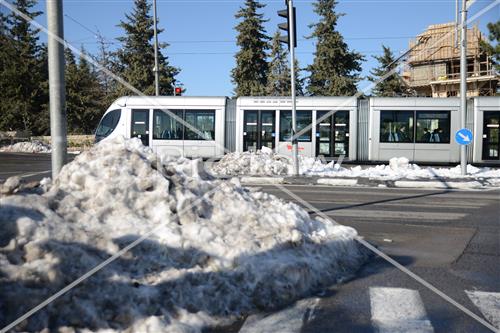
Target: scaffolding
433,64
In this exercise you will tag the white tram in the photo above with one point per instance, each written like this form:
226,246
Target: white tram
373,129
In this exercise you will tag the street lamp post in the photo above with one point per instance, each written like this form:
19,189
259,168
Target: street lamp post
156,69
56,86
295,148
463,84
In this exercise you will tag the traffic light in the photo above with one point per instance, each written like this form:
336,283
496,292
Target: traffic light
177,91
287,27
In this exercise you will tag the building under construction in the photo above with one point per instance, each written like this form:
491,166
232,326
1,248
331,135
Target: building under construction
433,65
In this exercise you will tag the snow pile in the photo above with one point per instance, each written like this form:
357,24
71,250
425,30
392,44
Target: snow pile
400,163
214,251
259,163
267,163
400,168
27,147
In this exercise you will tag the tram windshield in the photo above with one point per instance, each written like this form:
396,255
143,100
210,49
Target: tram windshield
107,125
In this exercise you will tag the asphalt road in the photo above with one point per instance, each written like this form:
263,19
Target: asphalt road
25,165
451,239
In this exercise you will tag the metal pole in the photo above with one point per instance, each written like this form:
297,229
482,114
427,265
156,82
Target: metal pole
291,32
56,85
456,23
156,69
463,84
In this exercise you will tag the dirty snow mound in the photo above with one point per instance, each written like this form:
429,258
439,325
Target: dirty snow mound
259,163
215,250
27,147
267,163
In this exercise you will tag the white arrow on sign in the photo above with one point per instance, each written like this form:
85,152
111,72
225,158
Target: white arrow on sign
464,137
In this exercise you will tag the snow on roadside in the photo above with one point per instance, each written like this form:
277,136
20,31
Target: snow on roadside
271,164
400,168
27,147
264,163
217,250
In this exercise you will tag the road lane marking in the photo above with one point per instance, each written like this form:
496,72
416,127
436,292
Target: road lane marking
25,175
289,320
435,204
34,173
398,310
396,214
488,303
396,193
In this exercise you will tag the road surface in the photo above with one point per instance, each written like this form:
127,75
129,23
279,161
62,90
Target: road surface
451,239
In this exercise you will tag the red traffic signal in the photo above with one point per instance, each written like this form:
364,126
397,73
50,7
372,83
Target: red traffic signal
178,91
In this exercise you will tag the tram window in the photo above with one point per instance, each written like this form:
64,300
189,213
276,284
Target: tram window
396,126
203,121
433,127
108,124
166,127
304,120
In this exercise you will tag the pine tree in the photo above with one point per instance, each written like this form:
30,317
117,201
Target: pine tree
135,59
7,71
493,50
278,80
84,94
22,75
392,85
250,73
335,69
106,60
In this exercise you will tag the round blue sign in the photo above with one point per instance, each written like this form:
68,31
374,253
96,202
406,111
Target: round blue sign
463,136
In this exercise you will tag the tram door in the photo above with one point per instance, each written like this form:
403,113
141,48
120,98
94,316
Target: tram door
491,131
140,125
259,129
332,134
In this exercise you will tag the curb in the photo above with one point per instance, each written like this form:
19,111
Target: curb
261,180
438,184
367,182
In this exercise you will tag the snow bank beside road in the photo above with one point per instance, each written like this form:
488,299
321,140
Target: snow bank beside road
27,147
265,163
271,164
217,250
400,168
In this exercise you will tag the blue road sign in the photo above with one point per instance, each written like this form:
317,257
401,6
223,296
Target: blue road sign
463,136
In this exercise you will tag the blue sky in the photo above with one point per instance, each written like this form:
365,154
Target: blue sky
202,37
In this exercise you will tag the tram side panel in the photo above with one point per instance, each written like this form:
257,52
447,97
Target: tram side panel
267,121
486,130
420,129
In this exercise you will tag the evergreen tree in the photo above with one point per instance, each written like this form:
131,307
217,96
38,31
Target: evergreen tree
335,69
135,59
278,80
493,50
392,85
106,60
7,71
84,95
22,94
250,73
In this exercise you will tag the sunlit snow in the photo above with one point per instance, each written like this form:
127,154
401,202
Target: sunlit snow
215,251
271,164
27,147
